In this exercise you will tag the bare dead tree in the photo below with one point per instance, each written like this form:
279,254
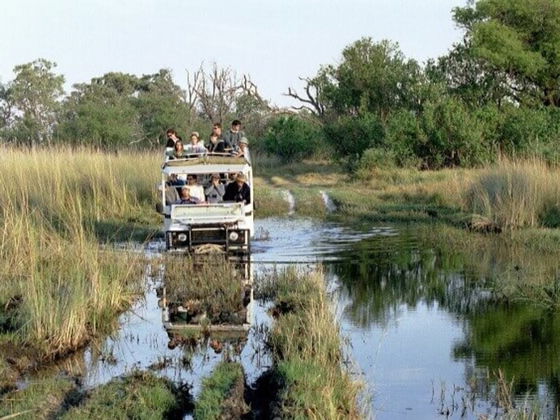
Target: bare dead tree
311,99
215,93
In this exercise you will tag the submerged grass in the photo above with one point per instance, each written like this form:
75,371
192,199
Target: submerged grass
306,346
222,394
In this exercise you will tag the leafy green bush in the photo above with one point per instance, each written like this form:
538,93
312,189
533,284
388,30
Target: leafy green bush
292,138
351,136
376,158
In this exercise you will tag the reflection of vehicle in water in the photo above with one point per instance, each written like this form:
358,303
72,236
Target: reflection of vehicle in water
198,228
208,294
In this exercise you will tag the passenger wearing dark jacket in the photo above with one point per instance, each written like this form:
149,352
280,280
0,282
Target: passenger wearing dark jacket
238,190
216,144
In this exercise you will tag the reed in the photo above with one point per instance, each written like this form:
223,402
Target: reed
516,194
59,287
306,346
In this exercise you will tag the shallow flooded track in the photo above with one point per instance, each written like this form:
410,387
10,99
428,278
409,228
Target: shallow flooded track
425,333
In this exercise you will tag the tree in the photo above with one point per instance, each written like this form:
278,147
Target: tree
30,102
520,39
372,78
120,109
101,112
218,94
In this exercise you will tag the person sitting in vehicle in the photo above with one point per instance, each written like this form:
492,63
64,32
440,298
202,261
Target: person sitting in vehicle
195,146
186,197
244,149
196,190
215,191
216,144
238,191
179,150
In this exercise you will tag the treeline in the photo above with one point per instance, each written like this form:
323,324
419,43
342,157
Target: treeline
496,92
120,110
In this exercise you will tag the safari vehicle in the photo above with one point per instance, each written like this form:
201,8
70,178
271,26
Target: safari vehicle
199,228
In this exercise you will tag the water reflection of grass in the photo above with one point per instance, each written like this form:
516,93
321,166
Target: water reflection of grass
211,290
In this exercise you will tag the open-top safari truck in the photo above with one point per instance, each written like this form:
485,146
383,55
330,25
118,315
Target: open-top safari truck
225,227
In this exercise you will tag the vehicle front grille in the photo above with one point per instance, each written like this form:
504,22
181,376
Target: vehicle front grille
216,236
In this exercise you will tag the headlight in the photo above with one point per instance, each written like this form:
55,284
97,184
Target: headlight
182,237
233,236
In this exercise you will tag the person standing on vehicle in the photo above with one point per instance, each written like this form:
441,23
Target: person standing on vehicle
216,144
215,191
234,135
172,137
238,190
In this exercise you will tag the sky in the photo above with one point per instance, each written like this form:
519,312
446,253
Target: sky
275,42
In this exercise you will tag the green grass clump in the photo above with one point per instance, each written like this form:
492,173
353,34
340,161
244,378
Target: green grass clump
139,395
41,399
269,201
219,392
306,346
309,202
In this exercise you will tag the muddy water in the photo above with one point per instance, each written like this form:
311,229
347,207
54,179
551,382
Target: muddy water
424,332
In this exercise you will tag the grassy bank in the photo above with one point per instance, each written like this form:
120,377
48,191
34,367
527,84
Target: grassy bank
59,287
222,394
306,347
139,395
41,399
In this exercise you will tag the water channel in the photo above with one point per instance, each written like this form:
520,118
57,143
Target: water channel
425,334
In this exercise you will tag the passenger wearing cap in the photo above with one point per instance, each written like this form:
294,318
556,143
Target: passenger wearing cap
186,198
195,146
238,190
215,191
244,149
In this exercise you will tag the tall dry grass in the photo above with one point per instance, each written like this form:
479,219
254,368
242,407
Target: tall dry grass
514,194
58,286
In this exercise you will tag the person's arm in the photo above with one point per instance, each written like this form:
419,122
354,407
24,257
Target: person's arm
221,189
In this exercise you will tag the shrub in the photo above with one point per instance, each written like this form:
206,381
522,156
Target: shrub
292,138
516,194
351,136
375,158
